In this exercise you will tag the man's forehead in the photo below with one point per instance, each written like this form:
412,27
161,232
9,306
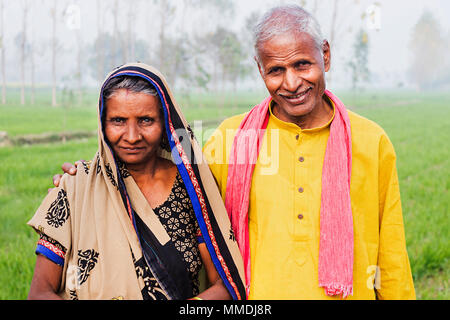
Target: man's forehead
288,41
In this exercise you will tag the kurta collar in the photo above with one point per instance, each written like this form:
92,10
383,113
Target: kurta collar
295,128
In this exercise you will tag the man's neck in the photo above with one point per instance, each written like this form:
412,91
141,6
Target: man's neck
317,118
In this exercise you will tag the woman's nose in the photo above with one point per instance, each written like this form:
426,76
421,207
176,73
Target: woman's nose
132,134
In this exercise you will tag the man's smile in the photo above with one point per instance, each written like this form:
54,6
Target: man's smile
297,98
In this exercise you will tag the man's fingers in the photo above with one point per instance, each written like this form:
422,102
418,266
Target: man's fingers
69,168
56,179
79,162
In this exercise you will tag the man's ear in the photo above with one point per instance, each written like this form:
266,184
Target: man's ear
326,55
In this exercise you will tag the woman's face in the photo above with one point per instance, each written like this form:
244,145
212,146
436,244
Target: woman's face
134,126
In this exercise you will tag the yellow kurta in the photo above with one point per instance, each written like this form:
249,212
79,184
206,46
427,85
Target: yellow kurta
284,210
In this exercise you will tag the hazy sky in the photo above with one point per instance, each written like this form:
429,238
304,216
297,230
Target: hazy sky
389,54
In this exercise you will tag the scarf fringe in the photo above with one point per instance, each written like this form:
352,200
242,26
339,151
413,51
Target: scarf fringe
337,289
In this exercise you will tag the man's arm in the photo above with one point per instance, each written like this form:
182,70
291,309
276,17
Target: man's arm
395,281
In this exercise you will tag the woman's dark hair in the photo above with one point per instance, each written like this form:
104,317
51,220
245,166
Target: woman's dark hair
133,84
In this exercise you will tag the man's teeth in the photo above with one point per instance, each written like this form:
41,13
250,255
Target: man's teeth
297,96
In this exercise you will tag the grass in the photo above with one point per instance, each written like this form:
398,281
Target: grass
419,128
25,176
418,125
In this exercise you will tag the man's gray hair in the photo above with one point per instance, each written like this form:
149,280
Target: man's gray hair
133,84
283,19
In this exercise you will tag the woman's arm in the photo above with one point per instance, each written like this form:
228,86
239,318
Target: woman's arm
46,280
217,290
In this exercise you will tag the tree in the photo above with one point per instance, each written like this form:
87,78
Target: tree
54,47
338,28
72,17
32,52
231,55
131,34
246,36
225,55
22,45
99,45
115,13
359,63
111,53
428,50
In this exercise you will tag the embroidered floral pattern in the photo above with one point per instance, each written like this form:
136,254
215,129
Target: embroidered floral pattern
59,210
99,167
110,175
86,166
232,237
191,133
73,295
87,260
151,290
123,169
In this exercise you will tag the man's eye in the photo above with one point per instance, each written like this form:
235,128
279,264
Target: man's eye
303,64
275,70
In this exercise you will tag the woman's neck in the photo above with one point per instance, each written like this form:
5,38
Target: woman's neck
142,173
155,180
155,169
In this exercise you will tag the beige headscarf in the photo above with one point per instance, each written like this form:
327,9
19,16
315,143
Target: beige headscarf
93,214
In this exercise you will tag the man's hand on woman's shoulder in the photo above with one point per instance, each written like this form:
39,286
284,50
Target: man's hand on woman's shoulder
68,168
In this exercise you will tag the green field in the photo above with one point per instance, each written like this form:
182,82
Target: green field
418,125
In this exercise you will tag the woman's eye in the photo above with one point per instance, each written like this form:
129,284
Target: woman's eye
146,120
117,120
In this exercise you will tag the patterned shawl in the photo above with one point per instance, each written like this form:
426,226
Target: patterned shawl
112,236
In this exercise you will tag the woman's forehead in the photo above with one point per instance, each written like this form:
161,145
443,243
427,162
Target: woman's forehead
124,100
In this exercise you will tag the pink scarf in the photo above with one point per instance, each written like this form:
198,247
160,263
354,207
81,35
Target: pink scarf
336,222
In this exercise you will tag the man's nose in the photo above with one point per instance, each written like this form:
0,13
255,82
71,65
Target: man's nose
132,134
292,80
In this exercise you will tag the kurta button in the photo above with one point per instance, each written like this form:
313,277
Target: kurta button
300,190
300,217
301,159
297,136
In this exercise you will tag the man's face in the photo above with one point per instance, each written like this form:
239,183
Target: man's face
293,69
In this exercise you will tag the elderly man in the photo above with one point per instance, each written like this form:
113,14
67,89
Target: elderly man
320,217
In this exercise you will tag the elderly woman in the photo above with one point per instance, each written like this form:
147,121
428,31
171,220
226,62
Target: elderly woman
137,222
